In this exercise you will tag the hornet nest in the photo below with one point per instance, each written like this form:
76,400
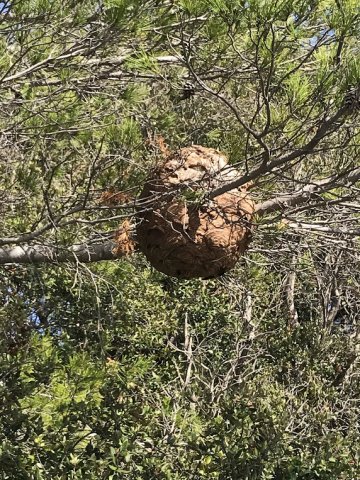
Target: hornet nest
183,233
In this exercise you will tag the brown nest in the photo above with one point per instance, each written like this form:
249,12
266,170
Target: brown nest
181,232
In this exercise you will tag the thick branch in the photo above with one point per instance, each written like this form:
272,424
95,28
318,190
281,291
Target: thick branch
35,254
308,192
290,293
328,126
344,231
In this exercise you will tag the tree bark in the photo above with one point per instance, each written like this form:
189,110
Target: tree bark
35,254
307,192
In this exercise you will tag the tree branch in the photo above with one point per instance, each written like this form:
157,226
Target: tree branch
309,191
328,126
350,232
290,293
34,254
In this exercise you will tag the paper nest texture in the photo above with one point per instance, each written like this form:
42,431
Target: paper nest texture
181,232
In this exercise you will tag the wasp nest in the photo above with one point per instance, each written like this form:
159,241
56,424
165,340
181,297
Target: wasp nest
182,232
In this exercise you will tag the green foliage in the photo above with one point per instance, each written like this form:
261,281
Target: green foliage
101,385
113,371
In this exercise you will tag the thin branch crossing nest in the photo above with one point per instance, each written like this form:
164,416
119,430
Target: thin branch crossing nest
183,233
